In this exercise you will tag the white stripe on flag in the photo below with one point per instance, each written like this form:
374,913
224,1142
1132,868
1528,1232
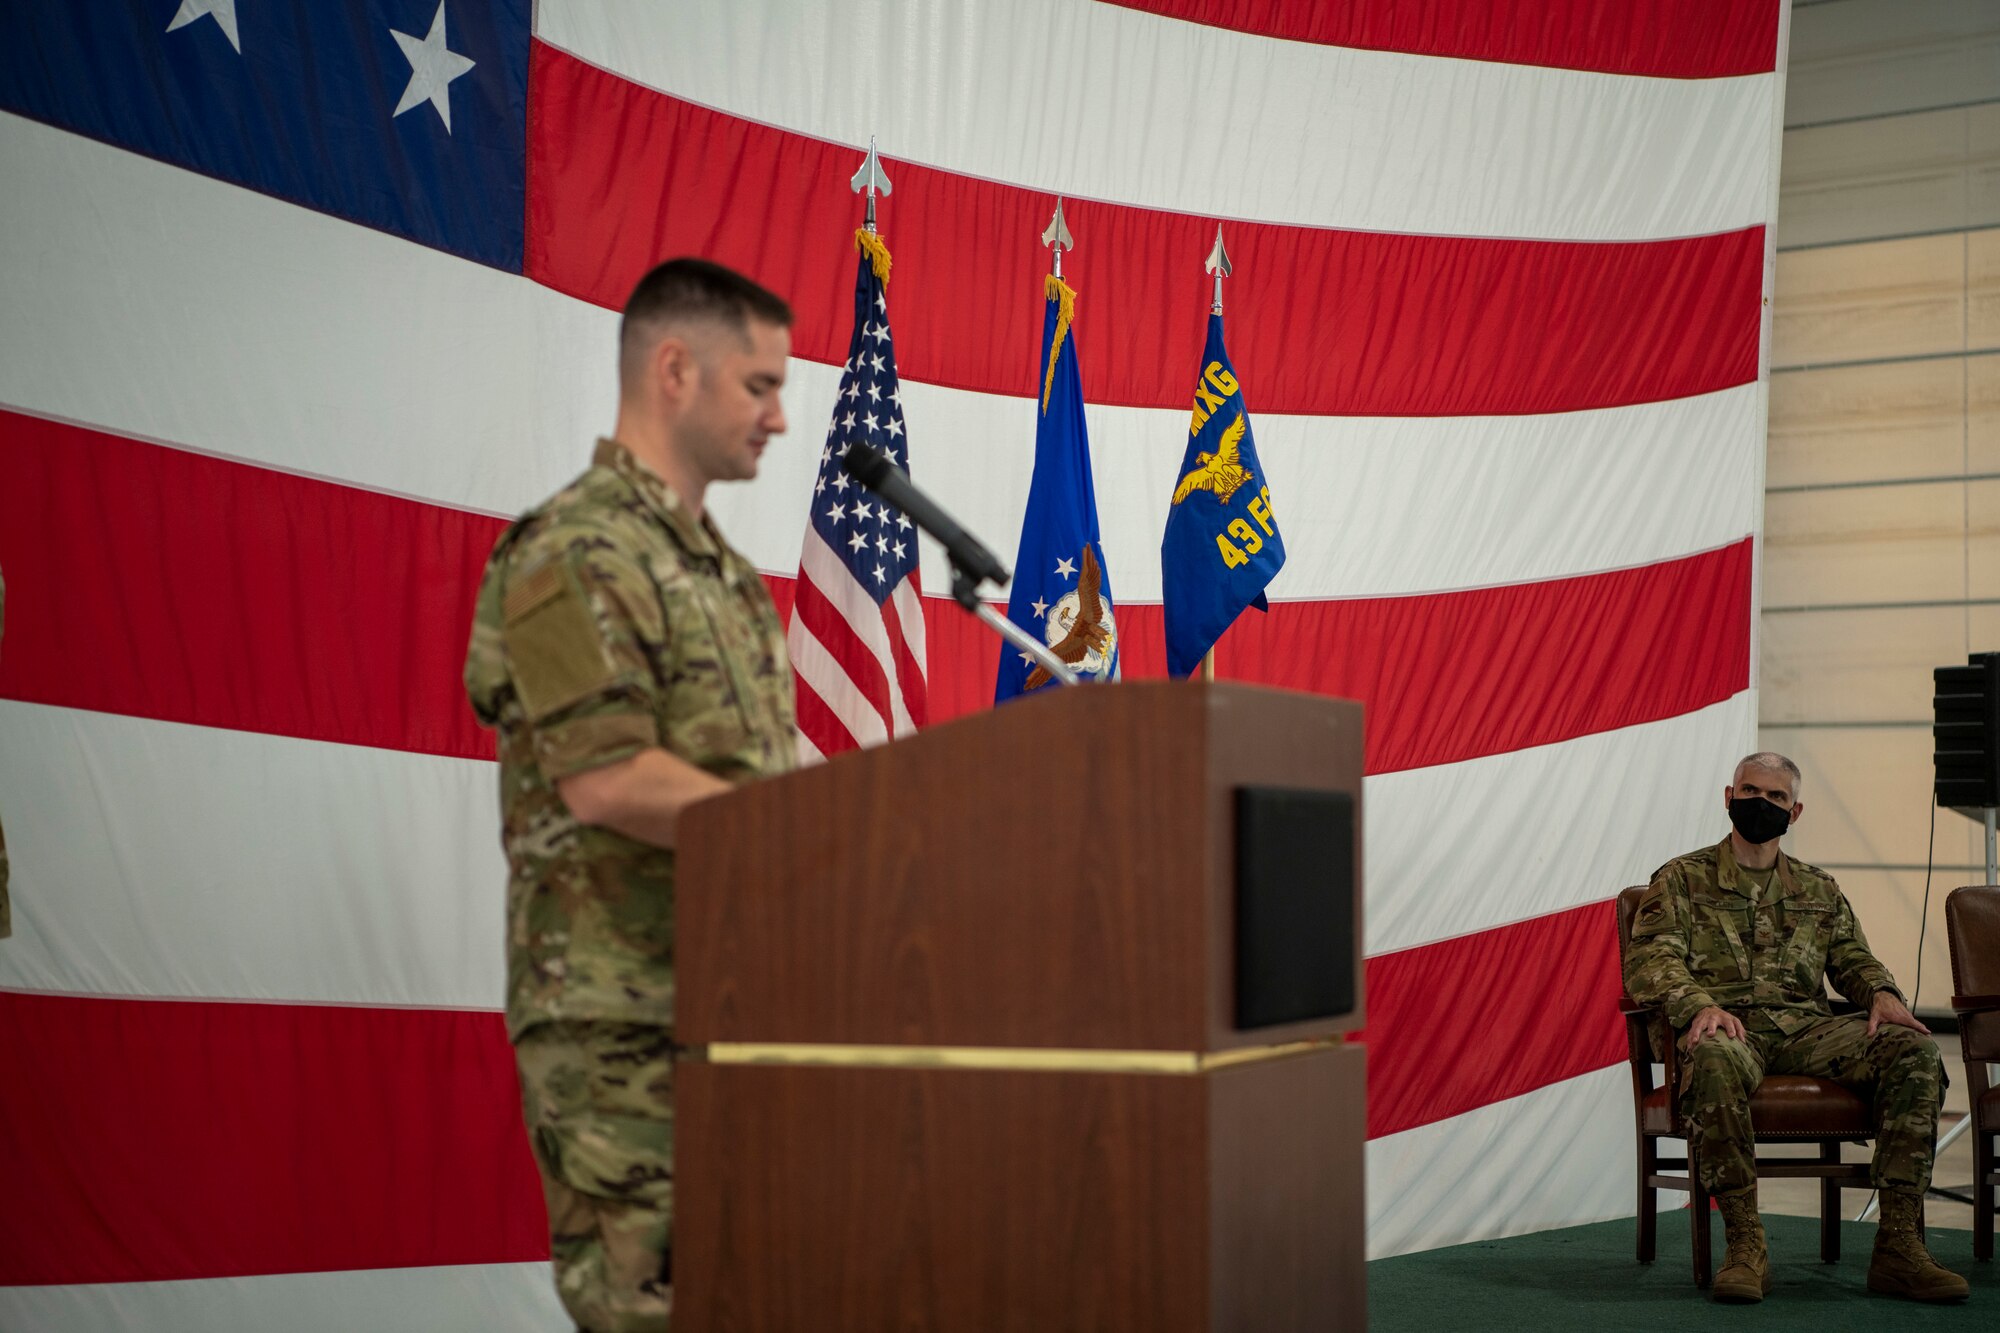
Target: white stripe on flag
158,859
1261,128
815,667
452,1298
154,859
1560,825
529,378
829,574
910,615
1559,1156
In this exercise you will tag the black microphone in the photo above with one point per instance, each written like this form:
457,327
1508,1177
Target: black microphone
872,468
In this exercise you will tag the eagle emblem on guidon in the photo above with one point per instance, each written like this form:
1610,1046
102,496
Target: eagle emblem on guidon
1222,471
1080,628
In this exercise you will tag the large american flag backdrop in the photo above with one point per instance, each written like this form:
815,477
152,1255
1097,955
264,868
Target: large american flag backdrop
299,300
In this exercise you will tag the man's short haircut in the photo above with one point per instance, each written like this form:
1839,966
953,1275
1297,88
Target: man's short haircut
1769,759
690,290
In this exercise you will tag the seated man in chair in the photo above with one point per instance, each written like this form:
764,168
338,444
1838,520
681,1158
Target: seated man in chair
1734,943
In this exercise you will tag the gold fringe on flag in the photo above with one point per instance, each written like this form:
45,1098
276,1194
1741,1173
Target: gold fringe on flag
870,244
1065,296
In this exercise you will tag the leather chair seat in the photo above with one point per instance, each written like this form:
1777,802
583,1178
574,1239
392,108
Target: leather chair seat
1784,1106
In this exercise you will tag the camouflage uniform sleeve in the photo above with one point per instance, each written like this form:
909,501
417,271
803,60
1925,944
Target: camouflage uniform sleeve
1656,970
576,614
1855,971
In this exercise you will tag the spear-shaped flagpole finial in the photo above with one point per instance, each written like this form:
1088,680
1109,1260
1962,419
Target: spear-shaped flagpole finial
1057,237
871,178
1218,264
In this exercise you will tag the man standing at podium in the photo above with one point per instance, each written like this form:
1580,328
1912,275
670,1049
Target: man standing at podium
632,664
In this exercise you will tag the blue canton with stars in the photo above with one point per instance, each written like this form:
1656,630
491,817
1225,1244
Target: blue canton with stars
876,542
406,115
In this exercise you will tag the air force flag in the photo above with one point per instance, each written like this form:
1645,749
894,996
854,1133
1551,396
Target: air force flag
1062,590
1222,544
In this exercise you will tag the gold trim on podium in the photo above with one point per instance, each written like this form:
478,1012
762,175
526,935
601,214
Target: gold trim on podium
1034,1058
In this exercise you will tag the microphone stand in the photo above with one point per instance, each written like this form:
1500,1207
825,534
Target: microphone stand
971,563
965,591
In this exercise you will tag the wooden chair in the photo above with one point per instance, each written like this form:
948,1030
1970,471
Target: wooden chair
1786,1108
1972,927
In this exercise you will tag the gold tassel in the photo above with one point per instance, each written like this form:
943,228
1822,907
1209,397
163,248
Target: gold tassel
872,245
1065,296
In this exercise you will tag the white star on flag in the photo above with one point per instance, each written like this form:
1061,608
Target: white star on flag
432,69
222,11
1041,608
1066,568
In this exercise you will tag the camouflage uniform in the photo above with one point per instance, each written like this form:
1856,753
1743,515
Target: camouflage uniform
610,621
1706,934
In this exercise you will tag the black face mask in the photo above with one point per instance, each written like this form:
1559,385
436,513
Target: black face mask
1757,819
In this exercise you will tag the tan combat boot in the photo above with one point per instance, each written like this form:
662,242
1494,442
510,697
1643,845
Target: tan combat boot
1746,1266
1902,1266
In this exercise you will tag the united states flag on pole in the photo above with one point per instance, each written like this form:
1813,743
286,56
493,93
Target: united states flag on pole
857,633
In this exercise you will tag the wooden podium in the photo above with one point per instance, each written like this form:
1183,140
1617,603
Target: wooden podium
1027,1023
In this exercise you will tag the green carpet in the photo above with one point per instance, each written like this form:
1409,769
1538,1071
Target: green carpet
1586,1278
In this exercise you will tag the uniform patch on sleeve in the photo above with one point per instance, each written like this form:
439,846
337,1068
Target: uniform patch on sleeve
556,652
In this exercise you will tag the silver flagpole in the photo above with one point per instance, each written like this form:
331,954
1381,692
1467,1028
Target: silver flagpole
1056,236
871,178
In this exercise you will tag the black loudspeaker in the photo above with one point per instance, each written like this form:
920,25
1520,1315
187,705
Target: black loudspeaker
1295,945
1965,732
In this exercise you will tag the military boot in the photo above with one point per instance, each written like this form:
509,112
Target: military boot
1746,1266
1901,1265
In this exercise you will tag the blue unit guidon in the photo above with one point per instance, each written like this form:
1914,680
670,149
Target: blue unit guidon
406,115
1062,587
1222,545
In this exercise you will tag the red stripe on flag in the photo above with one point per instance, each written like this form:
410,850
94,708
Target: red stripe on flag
1335,323
818,723
1467,1022
154,582
1456,675
160,583
157,1140
1682,39
160,1140
1453,676
854,657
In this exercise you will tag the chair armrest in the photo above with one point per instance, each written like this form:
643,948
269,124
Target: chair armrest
1631,1008
1974,1004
